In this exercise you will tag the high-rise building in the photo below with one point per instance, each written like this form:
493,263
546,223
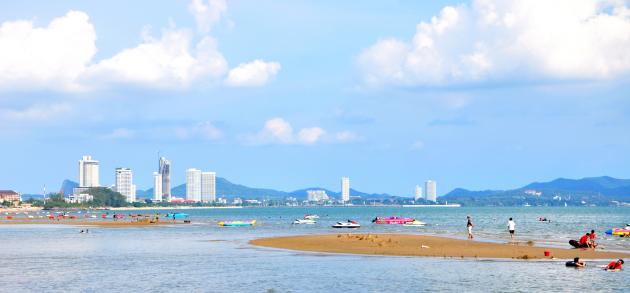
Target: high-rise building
124,184
418,192
208,186
165,172
157,186
345,189
88,172
193,184
431,190
316,195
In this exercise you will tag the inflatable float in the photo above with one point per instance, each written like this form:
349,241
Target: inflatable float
237,223
392,220
619,231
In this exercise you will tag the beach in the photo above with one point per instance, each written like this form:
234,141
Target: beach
427,246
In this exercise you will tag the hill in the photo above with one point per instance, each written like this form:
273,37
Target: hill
603,190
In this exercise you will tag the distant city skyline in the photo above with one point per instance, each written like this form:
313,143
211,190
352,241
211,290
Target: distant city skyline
389,94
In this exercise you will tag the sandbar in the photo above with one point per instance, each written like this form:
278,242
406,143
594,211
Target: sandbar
427,246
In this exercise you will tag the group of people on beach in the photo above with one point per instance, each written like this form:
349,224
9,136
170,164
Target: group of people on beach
511,225
588,240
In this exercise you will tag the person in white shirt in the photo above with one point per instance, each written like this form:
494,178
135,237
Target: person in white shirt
511,227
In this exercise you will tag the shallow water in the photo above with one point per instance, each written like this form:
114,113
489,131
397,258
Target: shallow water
203,257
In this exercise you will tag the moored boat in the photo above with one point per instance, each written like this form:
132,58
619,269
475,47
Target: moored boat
311,217
414,223
347,224
392,220
237,223
304,221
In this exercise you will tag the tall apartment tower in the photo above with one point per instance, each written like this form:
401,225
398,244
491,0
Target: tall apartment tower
88,172
165,172
418,192
193,184
208,186
157,186
124,184
345,189
431,187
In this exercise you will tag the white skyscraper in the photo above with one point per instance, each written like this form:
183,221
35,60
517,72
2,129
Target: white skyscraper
88,172
193,184
124,184
157,186
431,189
208,186
345,189
165,172
418,192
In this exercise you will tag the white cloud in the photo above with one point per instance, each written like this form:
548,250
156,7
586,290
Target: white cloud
346,136
60,56
207,14
417,145
310,135
35,113
255,73
119,133
279,131
53,56
495,39
203,131
167,62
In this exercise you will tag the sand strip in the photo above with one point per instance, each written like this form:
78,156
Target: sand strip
420,245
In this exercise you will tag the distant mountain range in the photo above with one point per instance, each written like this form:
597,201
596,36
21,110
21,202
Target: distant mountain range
591,190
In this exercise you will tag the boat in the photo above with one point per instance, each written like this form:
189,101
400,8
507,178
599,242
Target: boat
311,217
619,231
237,223
392,220
415,223
347,224
304,221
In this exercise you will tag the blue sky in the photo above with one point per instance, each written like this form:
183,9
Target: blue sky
293,94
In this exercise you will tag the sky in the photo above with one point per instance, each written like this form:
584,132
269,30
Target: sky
283,94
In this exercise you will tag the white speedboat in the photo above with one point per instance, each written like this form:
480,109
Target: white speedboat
311,217
415,223
347,224
304,221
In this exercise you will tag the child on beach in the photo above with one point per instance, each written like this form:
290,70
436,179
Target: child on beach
469,226
592,239
576,263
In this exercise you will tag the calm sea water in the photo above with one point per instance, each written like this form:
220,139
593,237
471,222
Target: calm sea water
203,257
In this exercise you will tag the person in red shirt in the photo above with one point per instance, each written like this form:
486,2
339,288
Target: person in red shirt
615,265
584,240
593,236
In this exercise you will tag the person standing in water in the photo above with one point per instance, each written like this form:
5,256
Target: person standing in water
469,226
511,227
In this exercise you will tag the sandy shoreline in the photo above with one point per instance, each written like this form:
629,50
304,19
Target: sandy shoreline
97,223
420,245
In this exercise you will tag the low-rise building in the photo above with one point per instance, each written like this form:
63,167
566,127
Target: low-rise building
10,196
79,198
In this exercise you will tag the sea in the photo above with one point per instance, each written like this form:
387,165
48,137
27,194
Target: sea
204,257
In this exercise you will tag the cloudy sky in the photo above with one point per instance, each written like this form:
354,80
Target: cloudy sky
289,94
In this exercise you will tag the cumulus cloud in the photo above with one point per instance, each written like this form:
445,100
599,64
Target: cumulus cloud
53,56
166,62
495,39
279,131
60,56
255,73
207,14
